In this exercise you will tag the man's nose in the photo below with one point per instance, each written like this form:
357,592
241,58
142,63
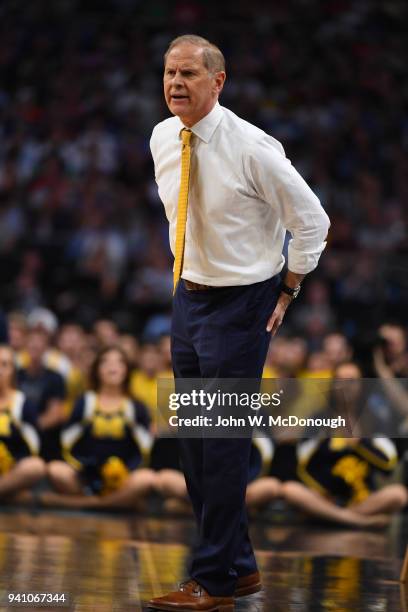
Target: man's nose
177,79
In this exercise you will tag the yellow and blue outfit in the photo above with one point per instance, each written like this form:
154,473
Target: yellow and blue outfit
343,470
105,448
261,456
18,435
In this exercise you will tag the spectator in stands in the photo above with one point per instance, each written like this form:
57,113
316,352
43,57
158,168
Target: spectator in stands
17,328
71,341
131,347
143,381
337,349
57,359
318,365
286,358
87,357
4,331
79,218
68,361
315,317
165,350
394,348
45,389
390,358
20,465
106,333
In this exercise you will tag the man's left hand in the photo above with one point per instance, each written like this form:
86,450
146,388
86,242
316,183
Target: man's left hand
276,318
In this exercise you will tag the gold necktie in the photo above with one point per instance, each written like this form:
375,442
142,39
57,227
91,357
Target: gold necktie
182,207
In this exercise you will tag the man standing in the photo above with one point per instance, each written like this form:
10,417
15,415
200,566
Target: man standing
230,194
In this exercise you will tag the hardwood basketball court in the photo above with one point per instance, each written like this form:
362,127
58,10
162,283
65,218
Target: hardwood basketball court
117,562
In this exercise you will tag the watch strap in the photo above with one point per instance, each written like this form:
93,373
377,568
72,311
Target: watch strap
292,291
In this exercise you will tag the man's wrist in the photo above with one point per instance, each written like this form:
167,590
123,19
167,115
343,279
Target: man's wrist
291,292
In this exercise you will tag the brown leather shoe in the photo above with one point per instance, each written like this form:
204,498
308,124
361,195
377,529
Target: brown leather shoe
192,596
248,585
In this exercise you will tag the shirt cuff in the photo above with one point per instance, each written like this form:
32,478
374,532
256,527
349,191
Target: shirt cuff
303,263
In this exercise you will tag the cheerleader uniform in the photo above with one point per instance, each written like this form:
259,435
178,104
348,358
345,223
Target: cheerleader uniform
104,448
18,435
342,471
260,459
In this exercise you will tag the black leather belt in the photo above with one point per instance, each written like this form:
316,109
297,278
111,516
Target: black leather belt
196,286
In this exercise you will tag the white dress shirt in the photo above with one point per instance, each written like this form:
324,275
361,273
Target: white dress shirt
243,194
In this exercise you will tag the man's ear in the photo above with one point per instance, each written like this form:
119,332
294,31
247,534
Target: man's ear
219,81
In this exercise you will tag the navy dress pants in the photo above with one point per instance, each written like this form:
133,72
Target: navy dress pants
220,333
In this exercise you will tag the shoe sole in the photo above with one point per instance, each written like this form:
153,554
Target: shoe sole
248,590
222,608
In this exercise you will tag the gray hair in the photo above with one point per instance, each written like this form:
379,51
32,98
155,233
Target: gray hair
213,58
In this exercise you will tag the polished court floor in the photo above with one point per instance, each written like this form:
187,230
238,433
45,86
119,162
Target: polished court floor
107,562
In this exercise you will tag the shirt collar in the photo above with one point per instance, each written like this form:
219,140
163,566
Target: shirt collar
206,127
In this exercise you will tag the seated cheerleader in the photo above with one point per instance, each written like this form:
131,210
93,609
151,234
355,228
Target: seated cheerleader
164,456
20,466
104,444
337,474
263,487
171,483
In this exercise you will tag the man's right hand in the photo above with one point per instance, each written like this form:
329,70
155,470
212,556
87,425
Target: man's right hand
276,318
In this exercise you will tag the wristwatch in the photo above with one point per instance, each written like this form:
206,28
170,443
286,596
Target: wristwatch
292,291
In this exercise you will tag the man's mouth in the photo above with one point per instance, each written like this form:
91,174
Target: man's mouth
179,97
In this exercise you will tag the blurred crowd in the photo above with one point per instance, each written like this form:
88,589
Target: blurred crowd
79,411
82,230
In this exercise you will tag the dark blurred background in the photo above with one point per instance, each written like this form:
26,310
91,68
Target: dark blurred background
82,231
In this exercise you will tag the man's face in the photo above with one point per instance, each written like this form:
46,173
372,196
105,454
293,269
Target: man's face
189,89
347,383
36,346
6,366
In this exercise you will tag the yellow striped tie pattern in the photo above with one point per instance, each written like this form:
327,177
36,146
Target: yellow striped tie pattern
182,207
